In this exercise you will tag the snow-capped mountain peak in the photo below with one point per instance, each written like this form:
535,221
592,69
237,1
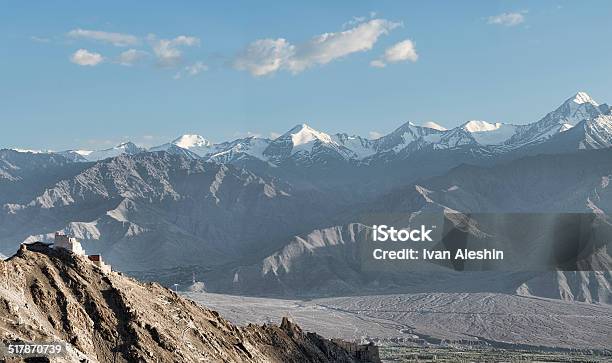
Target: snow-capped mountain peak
191,145
575,109
239,150
190,141
480,126
583,97
303,134
304,145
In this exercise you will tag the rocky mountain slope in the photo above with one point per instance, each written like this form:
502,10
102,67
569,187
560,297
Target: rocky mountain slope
530,195
179,210
575,182
52,295
23,175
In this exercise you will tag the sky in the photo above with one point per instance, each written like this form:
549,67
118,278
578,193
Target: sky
91,75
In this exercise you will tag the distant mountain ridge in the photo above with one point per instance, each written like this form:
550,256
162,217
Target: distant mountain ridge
304,145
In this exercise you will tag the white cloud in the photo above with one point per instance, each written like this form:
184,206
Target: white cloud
192,70
375,135
329,46
506,19
168,51
116,39
83,57
131,57
404,50
265,56
399,52
275,135
196,68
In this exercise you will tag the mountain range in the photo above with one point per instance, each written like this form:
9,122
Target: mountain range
287,216
580,120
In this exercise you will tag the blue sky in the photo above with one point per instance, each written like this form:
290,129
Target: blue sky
227,69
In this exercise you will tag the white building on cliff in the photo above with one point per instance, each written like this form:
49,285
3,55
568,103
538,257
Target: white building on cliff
69,243
73,245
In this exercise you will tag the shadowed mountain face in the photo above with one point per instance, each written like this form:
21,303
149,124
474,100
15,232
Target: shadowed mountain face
51,295
576,182
527,193
161,210
24,175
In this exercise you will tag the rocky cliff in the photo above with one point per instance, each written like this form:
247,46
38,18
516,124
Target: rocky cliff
52,295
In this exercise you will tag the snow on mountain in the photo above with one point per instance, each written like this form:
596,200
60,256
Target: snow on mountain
95,155
402,136
31,151
486,133
232,151
123,148
588,134
583,97
360,146
304,144
480,126
575,109
303,135
578,108
191,141
503,136
435,126
303,138
410,137
76,155
194,143
597,133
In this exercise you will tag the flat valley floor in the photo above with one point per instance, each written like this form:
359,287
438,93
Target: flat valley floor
441,326
455,355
